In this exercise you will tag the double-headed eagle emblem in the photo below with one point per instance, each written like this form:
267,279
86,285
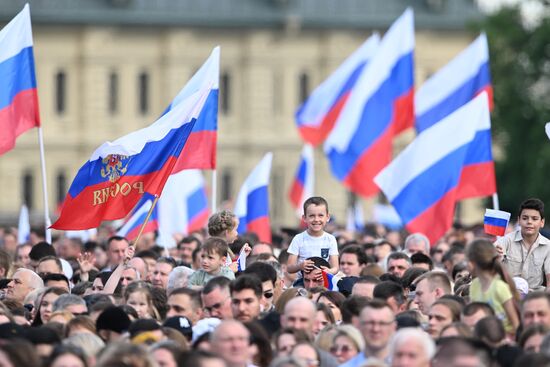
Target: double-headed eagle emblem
114,166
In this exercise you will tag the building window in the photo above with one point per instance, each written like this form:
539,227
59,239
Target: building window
303,87
227,184
60,92
28,189
225,93
113,93
61,186
143,81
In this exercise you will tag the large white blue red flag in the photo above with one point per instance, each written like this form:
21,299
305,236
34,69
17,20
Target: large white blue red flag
18,95
454,85
381,105
131,227
424,181
252,206
118,173
317,115
183,206
200,150
302,186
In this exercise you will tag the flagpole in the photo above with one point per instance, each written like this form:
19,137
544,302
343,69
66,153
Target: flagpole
146,219
47,220
214,189
495,201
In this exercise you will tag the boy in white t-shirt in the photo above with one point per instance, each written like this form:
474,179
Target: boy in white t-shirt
313,242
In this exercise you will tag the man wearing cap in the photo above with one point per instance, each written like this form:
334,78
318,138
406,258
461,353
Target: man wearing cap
181,324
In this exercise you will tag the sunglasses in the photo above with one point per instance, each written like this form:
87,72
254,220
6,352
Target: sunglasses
268,295
344,349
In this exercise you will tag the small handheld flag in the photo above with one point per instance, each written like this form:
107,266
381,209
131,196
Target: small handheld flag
330,281
495,222
241,260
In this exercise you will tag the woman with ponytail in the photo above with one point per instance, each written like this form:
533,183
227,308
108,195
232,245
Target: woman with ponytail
492,284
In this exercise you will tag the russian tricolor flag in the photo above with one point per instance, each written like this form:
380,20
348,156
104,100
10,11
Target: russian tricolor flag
130,229
200,150
302,187
114,179
424,182
18,95
495,222
330,281
317,115
183,206
380,107
454,85
252,206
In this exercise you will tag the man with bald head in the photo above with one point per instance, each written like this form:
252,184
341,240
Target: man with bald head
299,314
140,265
22,283
231,341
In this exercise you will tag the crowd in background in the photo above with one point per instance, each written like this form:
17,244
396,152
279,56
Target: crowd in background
391,299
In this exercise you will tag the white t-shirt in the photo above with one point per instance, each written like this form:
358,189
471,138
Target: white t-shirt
305,246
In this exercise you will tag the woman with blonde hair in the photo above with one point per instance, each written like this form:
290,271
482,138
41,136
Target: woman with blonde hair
346,343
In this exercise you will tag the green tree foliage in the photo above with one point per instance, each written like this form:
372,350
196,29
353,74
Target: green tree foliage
520,68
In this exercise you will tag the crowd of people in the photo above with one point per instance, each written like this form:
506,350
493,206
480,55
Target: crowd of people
318,298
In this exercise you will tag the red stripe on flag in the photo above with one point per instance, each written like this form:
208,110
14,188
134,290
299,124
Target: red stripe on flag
21,115
378,155
477,180
494,230
199,222
199,151
296,193
151,226
316,135
437,220
262,228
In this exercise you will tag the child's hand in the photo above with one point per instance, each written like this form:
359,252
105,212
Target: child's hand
325,269
247,249
86,262
307,266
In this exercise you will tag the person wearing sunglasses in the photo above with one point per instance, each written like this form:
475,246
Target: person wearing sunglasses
346,343
268,276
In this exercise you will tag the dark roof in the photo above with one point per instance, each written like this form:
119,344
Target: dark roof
315,14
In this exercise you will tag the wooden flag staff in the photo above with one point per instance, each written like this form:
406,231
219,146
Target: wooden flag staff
144,224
